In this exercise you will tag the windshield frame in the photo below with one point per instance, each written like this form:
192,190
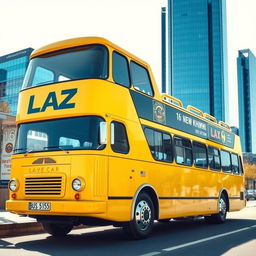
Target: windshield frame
25,150
59,52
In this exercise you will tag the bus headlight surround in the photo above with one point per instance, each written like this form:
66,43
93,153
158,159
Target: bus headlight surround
78,184
13,185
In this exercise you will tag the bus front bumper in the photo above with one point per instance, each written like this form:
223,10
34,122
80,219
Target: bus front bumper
75,208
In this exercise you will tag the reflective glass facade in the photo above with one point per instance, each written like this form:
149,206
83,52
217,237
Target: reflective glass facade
197,54
246,67
12,71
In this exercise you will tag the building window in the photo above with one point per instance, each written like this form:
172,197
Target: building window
160,144
120,70
183,151
119,140
200,155
140,79
225,161
214,158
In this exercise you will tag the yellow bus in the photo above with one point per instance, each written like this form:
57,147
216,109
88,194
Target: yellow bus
98,144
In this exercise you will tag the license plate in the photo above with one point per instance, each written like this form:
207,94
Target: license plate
39,206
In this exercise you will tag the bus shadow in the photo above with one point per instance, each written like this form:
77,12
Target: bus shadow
115,241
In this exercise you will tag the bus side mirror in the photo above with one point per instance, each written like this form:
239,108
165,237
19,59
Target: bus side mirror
103,133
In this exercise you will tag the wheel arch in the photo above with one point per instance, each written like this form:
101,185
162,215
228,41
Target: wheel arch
225,193
147,188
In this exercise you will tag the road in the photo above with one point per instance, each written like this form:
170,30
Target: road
234,238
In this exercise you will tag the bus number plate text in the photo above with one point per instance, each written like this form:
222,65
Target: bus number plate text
39,206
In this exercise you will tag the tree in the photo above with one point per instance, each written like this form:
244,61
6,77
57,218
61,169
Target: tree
250,171
4,107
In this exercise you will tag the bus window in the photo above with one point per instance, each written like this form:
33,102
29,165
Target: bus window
225,161
79,133
214,158
89,61
119,141
36,140
140,79
120,70
235,165
241,170
200,155
160,144
183,151
43,76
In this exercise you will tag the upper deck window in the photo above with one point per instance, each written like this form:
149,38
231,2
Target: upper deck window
121,70
140,79
90,61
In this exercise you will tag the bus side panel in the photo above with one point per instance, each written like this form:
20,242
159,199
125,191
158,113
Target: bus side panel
234,192
121,187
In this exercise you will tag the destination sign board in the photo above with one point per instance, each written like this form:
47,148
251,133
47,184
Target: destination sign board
159,112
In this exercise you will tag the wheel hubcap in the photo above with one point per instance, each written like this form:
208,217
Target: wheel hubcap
143,215
222,207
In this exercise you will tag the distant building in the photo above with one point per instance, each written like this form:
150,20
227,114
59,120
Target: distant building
197,54
12,71
246,76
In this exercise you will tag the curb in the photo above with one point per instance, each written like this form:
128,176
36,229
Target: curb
17,229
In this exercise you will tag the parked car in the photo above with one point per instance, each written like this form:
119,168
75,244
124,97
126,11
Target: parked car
250,194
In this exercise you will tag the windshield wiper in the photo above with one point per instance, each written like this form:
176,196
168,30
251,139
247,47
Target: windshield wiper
25,152
18,149
66,151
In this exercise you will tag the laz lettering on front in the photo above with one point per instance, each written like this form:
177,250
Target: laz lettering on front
52,101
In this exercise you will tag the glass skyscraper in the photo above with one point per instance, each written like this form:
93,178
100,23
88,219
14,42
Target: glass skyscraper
197,54
246,76
12,71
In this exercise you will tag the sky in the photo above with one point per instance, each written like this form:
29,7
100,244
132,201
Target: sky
135,25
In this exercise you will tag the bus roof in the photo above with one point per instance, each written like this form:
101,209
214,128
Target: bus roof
74,42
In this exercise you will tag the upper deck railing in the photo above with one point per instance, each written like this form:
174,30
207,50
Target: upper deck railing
178,103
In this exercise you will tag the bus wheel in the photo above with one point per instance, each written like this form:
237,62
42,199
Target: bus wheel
164,221
57,229
219,217
143,220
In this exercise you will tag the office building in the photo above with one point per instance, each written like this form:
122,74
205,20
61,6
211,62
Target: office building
197,55
246,76
12,71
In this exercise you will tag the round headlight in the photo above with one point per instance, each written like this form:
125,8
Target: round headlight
77,184
13,185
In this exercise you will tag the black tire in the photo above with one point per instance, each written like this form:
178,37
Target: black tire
164,221
144,214
57,229
219,217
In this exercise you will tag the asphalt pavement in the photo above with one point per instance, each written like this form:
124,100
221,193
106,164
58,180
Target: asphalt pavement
234,238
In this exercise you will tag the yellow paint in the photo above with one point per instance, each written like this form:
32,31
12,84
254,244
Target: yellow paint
109,174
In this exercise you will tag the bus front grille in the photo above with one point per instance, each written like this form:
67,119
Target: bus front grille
43,186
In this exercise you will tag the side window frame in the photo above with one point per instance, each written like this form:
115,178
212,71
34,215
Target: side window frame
184,150
230,166
240,166
163,147
214,169
199,144
149,79
128,69
126,138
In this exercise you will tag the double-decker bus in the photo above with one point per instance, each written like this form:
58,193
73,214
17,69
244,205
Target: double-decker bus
98,144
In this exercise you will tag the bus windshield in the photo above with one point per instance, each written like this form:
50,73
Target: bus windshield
90,61
59,134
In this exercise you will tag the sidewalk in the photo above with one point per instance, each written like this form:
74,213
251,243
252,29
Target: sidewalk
13,224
